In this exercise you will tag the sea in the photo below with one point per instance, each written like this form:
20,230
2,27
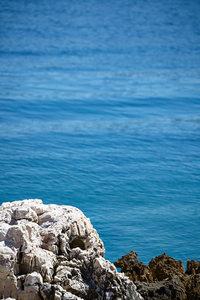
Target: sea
100,109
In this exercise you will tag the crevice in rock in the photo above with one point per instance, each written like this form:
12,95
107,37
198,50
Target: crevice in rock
54,270
20,282
20,254
59,245
22,267
77,242
47,292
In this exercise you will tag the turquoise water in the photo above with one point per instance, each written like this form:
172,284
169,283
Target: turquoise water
100,109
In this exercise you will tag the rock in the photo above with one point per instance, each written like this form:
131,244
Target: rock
53,252
166,289
136,271
25,213
33,279
165,267
193,280
193,267
193,287
164,277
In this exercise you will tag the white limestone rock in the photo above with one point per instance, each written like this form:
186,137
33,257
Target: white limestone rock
53,252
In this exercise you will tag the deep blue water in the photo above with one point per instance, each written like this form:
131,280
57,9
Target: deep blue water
100,109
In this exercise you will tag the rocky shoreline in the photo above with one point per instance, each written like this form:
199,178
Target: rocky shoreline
51,252
163,278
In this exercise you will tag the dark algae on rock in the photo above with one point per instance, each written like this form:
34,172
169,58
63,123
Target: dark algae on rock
164,278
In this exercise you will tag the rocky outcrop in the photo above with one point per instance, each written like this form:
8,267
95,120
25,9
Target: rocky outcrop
136,271
53,252
164,278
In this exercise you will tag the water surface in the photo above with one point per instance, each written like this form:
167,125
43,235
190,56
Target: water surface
100,109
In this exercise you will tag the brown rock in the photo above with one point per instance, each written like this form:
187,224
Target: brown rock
193,267
164,278
193,287
165,267
136,271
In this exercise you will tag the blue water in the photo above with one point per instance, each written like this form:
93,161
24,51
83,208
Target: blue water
100,109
